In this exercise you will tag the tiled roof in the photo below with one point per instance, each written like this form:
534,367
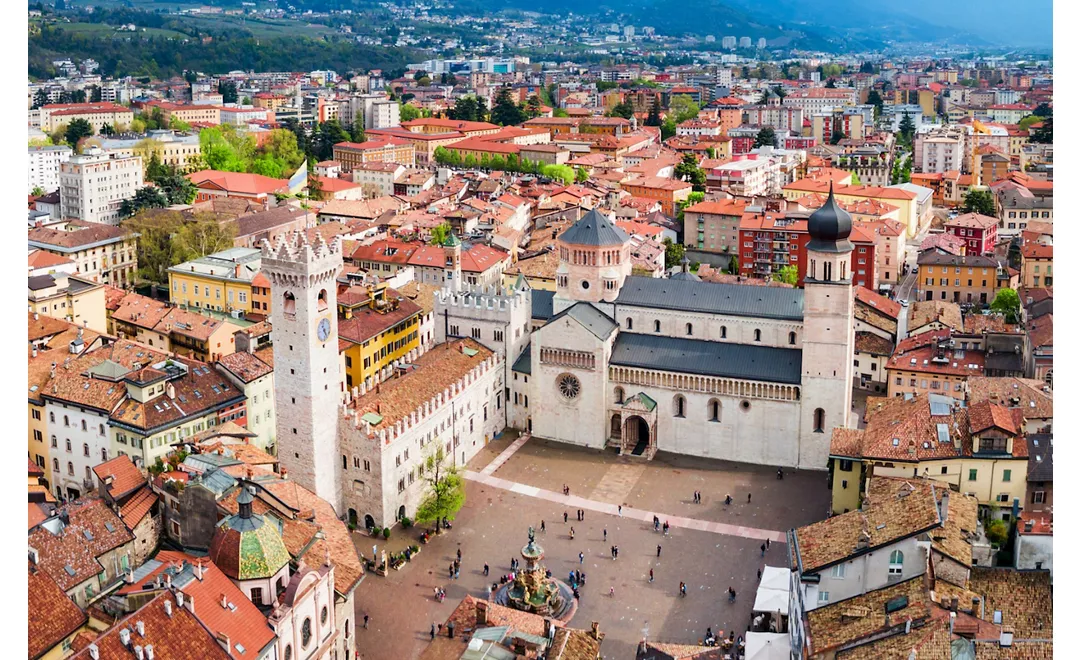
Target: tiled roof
245,366
175,636
1040,457
238,182
136,508
248,548
70,557
925,312
43,326
1041,331
366,322
863,616
140,311
78,234
921,360
574,644
973,221
199,391
929,642
1019,650
126,478
51,614
986,415
868,342
959,527
1024,598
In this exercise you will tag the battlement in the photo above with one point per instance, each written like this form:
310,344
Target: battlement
478,297
295,248
387,434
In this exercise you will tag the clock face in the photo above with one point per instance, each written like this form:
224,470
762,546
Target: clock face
324,329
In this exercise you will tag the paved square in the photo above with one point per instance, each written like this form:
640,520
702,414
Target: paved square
527,488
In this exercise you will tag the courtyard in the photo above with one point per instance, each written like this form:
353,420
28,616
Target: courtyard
710,546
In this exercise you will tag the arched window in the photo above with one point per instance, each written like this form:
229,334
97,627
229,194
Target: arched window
101,429
629,323
321,303
656,326
71,469
757,335
843,270
1049,379
66,423
56,465
289,307
791,338
680,405
813,268
88,477
689,329
85,449
619,395
104,454
714,410
819,421
347,622
896,565
84,424
305,633
723,332
827,271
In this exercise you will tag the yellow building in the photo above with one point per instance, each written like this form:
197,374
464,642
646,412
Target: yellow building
72,299
980,450
910,214
219,281
377,325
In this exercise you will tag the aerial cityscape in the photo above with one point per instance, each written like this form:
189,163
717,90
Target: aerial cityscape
375,330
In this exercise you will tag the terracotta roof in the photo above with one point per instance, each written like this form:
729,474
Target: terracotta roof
810,185
868,342
929,360
43,259
986,415
886,306
245,366
929,642
366,323
953,539
893,509
197,392
70,557
1024,598
125,477
135,509
972,221
51,614
178,636
977,324
113,296
140,311
238,182
947,242
864,616
1028,393
76,235
925,312
1037,251
1041,331
43,326
434,371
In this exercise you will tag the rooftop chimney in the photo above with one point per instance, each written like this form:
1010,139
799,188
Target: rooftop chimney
945,505
595,630
125,636
94,654
149,652
168,608
223,639
481,613
141,627
138,653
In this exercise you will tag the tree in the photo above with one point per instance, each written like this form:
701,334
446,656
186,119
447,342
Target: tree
147,197
205,235
624,110
328,134
787,275
505,112
447,491
138,126
178,189
227,89
673,253
688,170
191,77
668,127
77,130
439,233
1043,110
38,191
979,201
866,67
874,99
907,129
1007,302
1045,133
831,84
766,137
653,118
559,112
562,173
40,98
581,175
465,109
837,135
684,108
409,112
281,145
532,106
733,265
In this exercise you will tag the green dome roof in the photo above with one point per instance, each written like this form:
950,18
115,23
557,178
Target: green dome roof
247,546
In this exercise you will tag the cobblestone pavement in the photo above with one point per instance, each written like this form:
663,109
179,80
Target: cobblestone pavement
493,526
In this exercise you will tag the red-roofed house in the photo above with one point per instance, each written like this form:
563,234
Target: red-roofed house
212,183
124,487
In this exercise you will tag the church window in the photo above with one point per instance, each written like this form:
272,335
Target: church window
791,338
498,335
680,405
569,386
723,332
256,596
757,335
324,615
476,333
585,285
689,329
827,271
714,410
288,652
629,323
843,270
656,326
344,462
813,268
619,395
819,421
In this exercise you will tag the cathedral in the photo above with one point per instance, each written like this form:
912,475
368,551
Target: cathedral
738,372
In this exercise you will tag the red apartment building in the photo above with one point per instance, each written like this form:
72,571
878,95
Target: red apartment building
978,232
770,240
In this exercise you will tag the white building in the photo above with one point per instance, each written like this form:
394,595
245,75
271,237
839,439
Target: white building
728,42
745,42
377,179
79,439
93,185
373,110
255,379
894,114
747,175
44,167
939,149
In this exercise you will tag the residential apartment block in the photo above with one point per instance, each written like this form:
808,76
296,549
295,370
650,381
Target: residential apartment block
93,185
43,169
102,253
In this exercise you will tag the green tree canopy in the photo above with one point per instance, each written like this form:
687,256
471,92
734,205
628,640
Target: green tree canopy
204,235
77,130
766,137
673,253
227,89
147,197
1007,302
447,490
787,275
979,201
562,173
689,170
506,112
581,175
1043,110
409,112
684,108
439,233
1045,133
624,110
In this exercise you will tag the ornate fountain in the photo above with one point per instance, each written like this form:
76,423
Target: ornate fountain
533,591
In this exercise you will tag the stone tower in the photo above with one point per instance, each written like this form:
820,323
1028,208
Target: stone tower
307,382
828,333
452,251
594,261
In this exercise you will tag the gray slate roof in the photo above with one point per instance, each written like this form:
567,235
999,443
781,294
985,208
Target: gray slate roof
597,322
543,304
1040,457
523,365
712,298
708,358
594,229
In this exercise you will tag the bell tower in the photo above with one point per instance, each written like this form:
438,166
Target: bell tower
594,261
828,333
307,382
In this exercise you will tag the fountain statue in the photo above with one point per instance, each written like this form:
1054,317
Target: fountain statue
533,591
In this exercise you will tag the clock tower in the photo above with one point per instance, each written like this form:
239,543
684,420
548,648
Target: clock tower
307,382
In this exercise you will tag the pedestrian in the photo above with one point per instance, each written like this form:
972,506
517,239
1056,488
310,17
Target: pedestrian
620,510
451,570
565,517
682,588
433,632
616,552
365,621
762,549
733,595
457,573
759,575
605,535
730,595
459,554
375,552
543,527
572,538
657,550
581,577
748,497
727,499
581,557
583,515
650,575
768,543
666,527
611,592
779,473
487,569
613,552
